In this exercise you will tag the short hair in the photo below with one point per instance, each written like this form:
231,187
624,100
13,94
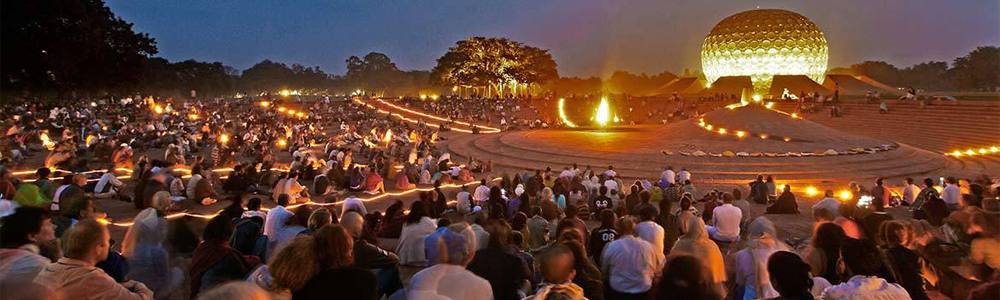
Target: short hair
334,247
253,203
283,199
607,217
928,182
909,180
727,198
82,237
549,260
828,193
861,257
219,228
893,232
319,218
44,172
789,274
354,222
25,221
536,210
625,225
295,264
161,200
644,196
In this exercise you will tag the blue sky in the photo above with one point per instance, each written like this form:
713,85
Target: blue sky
586,37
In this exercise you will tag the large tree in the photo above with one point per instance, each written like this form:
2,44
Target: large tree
979,70
69,45
497,64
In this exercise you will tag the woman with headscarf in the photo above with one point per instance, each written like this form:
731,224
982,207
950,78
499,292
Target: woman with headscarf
751,277
695,242
148,260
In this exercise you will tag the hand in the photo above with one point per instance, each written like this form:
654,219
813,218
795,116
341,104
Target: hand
138,287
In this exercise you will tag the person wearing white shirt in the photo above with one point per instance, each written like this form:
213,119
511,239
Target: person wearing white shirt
630,262
649,231
669,175
447,278
353,204
276,217
910,192
108,185
482,193
611,172
464,199
952,193
567,173
726,222
829,203
683,175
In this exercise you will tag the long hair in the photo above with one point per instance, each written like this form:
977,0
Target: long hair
334,247
418,210
685,277
295,264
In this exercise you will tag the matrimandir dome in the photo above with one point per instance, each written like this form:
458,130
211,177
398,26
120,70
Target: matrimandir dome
762,43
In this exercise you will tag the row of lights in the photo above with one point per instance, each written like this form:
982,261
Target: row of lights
974,152
484,129
738,133
426,96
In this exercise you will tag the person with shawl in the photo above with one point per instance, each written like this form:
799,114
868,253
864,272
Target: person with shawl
214,262
750,264
425,176
148,260
356,181
695,242
373,183
411,239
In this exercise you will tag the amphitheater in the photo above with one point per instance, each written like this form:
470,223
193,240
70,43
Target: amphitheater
910,141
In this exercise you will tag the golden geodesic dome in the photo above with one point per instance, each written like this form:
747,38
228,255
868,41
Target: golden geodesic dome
762,43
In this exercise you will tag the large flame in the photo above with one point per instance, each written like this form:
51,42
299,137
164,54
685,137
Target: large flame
562,114
46,141
603,114
388,137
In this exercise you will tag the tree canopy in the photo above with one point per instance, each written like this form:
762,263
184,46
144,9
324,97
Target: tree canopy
69,45
978,70
495,63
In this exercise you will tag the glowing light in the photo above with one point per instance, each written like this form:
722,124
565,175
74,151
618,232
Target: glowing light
811,191
970,152
845,195
603,113
562,114
982,150
46,141
757,98
434,97
387,138
795,115
285,93
769,105
300,114
265,104
282,143
158,109
483,129
291,111
741,133
722,131
709,126
423,97
788,139
994,149
282,109
192,116
763,136
224,138
762,43
956,153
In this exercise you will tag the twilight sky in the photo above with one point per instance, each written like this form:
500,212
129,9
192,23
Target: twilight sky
586,37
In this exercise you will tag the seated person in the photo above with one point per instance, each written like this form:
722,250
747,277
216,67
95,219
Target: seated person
785,204
403,182
373,183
